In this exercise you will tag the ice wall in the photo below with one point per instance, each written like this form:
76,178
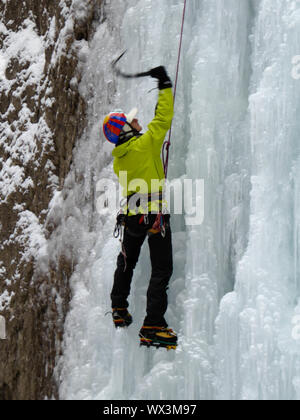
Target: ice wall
234,291
260,353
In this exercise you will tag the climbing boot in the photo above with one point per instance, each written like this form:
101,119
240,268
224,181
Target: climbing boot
121,317
158,337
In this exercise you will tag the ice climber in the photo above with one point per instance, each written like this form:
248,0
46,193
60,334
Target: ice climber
139,157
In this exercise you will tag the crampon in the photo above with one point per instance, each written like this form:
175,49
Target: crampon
121,318
158,337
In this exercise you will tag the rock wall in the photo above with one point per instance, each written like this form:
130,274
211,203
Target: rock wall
41,116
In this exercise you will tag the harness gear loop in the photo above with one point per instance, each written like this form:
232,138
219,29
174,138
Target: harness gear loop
167,144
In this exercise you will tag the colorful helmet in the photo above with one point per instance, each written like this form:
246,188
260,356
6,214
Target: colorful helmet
115,122
113,125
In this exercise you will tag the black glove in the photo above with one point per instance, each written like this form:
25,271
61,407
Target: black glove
161,74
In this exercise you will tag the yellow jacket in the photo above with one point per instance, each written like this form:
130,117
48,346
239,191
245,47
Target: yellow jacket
140,157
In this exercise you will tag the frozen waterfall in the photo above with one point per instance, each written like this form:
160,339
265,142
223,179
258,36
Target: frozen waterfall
234,295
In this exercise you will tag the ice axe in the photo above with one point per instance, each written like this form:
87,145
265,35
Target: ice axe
125,75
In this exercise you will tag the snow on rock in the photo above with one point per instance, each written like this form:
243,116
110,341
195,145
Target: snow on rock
41,115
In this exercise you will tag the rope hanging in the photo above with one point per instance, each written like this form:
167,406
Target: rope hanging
167,144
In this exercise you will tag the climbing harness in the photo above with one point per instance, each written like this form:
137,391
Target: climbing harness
167,144
140,202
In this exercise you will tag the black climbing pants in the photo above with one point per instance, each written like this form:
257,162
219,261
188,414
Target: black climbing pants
162,267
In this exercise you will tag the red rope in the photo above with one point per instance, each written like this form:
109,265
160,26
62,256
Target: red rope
167,144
